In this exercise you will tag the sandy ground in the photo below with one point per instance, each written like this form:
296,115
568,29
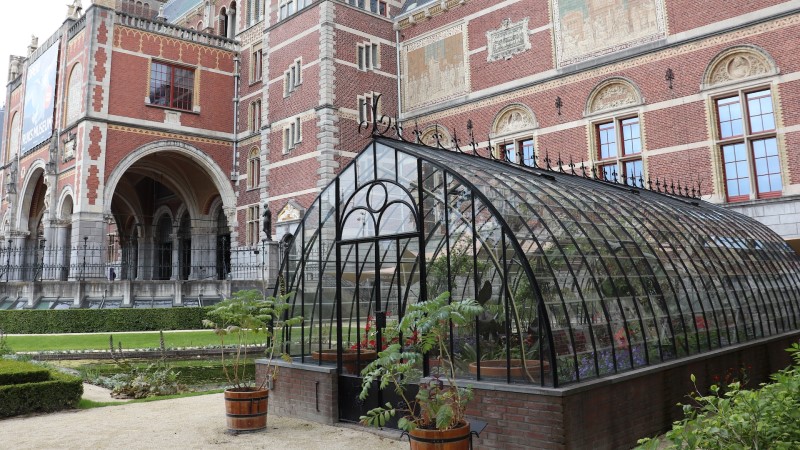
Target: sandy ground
190,423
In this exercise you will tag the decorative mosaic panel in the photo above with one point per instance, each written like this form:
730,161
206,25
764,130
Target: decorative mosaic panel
585,29
435,68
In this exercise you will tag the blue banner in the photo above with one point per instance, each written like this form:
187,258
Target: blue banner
40,93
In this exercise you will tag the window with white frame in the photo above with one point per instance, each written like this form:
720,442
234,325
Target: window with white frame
365,107
368,56
255,116
253,217
374,6
253,169
256,65
289,7
292,78
292,135
618,150
519,150
748,144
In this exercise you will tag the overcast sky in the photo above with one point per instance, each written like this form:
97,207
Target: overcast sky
40,18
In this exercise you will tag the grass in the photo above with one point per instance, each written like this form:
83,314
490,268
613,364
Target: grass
99,341
89,404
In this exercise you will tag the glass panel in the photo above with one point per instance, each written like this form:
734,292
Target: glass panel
730,117
760,109
632,142
607,140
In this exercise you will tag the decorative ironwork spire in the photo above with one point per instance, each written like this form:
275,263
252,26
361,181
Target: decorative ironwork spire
471,134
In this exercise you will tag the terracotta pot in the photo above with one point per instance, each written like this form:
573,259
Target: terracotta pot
455,439
350,359
497,368
246,409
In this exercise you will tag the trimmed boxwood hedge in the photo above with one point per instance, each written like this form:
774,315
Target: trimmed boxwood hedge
61,391
101,320
14,372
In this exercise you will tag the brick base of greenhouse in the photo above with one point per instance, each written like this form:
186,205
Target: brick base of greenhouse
609,413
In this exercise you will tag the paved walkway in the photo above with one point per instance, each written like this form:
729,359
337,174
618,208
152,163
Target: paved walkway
184,423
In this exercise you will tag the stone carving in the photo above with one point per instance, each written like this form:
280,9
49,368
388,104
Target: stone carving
514,119
508,40
289,213
435,68
739,65
613,95
267,222
585,29
428,137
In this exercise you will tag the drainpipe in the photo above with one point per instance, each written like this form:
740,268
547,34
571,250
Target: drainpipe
397,68
235,114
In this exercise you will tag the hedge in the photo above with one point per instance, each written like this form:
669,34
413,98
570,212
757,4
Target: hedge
15,372
101,320
60,392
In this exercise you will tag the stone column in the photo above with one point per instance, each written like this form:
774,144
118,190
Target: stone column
176,255
231,23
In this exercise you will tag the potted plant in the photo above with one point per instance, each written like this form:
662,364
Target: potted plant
437,412
239,321
358,355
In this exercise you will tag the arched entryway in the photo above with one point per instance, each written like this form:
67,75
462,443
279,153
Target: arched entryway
169,198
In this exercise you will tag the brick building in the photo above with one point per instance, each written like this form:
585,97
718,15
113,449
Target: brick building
168,126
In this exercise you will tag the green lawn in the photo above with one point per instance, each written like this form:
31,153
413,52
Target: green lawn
99,341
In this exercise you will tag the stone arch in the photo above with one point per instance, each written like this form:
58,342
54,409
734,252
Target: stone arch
205,162
612,94
427,136
513,118
65,199
36,170
735,64
162,211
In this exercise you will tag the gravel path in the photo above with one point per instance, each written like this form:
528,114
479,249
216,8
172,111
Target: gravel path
184,423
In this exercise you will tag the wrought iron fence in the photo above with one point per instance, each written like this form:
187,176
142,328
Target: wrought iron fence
138,261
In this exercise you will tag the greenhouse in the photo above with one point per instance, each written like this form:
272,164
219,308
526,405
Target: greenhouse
579,278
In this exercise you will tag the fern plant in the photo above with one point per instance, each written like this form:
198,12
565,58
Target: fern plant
237,320
440,403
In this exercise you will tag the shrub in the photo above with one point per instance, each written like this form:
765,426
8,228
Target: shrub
61,391
16,372
101,320
740,418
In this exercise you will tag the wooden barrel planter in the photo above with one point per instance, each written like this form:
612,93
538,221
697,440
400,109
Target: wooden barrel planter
246,410
350,359
453,439
496,368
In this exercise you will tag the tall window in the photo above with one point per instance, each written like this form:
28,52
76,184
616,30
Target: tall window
171,86
365,113
521,149
255,116
376,6
253,169
253,216
292,135
749,146
289,7
292,77
368,56
619,151
256,65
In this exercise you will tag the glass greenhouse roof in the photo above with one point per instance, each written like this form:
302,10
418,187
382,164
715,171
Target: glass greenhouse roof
579,278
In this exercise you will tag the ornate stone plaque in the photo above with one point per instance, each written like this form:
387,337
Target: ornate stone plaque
508,40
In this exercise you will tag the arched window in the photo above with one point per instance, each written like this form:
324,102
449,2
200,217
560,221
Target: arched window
74,93
223,22
513,131
746,124
253,169
13,138
617,131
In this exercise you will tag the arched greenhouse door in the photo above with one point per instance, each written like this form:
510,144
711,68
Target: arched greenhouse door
378,271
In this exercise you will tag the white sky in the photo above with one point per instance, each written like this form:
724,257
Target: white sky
40,18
